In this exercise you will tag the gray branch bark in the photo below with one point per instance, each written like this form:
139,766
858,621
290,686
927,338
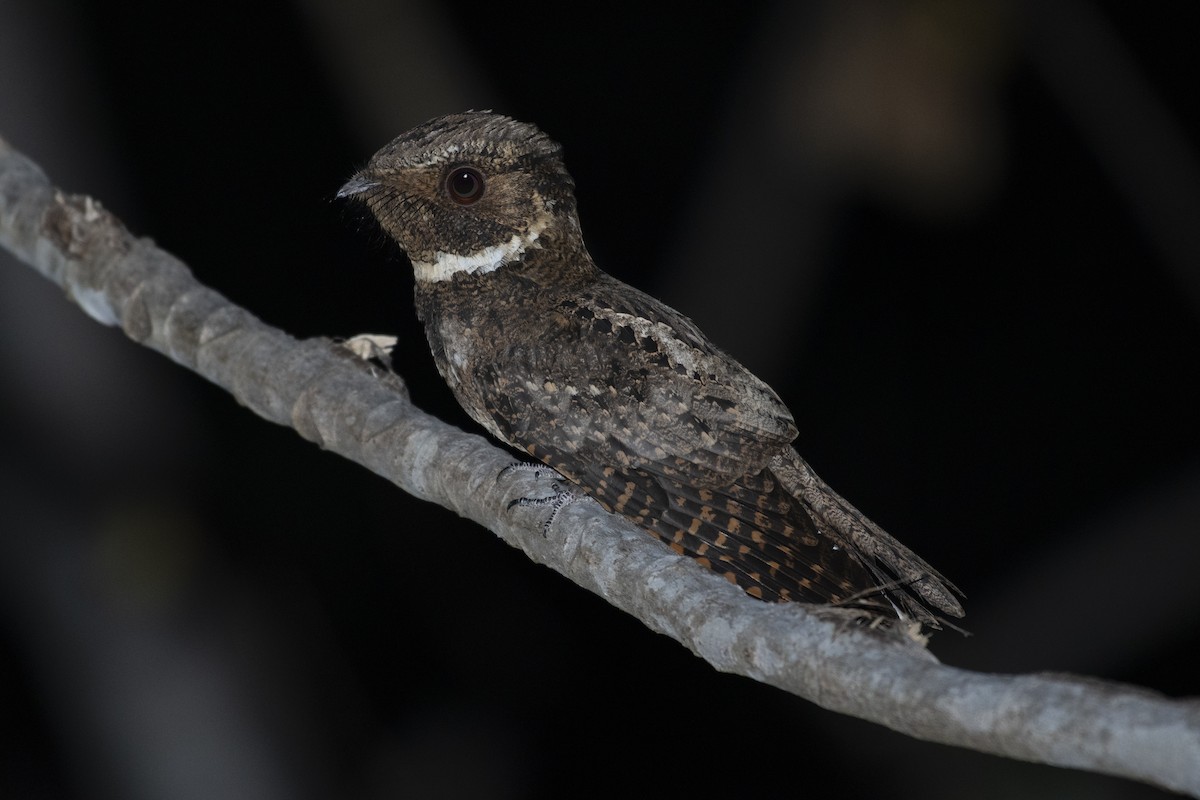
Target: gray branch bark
337,402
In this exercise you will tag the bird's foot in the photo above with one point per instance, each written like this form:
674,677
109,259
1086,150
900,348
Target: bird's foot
557,503
563,495
538,471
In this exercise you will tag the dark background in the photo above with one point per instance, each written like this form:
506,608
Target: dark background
960,240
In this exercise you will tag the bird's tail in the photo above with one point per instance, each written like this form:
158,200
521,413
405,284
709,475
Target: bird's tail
920,588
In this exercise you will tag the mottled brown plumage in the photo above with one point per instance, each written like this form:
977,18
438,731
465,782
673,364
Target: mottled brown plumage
621,394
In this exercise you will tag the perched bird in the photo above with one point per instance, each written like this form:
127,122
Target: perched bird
624,396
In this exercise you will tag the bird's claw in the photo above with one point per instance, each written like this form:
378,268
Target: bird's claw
535,468
562,497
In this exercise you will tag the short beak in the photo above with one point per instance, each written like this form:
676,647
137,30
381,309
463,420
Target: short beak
357,185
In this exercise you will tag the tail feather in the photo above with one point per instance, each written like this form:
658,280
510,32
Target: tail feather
886,557
752,533
764,542
780,534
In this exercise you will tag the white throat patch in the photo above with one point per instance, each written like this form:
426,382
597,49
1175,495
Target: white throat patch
446,265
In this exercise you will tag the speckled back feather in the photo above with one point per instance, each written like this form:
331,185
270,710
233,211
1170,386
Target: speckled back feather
750,532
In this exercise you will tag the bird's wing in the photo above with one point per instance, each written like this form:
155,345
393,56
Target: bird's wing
751,532
672,398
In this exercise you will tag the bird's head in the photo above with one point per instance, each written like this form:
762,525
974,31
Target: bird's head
469,193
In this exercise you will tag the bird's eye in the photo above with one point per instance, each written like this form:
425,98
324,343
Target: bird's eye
464,185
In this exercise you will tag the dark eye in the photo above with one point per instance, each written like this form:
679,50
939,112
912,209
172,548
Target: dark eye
465,185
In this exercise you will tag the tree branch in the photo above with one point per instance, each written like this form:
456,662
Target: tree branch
336,401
